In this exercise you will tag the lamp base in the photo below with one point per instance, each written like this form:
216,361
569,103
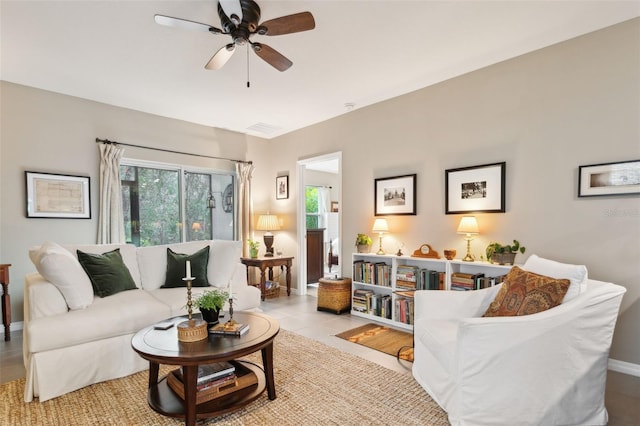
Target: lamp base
380,251
469,257
268,242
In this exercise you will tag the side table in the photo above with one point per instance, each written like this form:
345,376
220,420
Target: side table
6,300
265,263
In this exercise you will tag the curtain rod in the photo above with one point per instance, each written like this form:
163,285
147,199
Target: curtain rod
107,141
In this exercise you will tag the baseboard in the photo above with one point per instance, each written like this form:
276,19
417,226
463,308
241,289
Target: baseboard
15,326
624,367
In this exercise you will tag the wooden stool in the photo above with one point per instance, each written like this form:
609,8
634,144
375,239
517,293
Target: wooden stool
334,295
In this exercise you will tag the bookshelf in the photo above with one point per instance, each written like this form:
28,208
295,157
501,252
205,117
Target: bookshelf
382,284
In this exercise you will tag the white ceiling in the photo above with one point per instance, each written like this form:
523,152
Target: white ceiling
361,52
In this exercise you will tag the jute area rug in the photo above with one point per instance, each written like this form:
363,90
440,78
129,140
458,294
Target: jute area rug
381,338
315,384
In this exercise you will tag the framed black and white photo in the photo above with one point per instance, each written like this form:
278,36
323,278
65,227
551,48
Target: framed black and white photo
282,187
609,179
395,195
58,196
476,189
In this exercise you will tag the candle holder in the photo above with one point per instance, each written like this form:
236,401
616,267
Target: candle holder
192,330
231,321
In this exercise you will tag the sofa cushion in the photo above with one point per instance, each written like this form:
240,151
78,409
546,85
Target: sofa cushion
176,268
127,251
526,293
576,274
223,259
62,269
107,272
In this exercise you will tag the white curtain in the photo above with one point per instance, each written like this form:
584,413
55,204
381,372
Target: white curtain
245,204
111,219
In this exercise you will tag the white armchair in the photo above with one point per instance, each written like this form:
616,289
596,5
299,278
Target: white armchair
547,368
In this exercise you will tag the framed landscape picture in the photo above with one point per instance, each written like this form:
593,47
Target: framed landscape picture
395,195
476,189
57,196
609,179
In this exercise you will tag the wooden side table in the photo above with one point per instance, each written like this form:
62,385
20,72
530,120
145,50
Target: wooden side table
6,300
265,263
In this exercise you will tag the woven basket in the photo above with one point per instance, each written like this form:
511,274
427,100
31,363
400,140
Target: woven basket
273,292
334,295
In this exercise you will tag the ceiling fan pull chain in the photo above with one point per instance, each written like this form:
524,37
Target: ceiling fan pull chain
248,84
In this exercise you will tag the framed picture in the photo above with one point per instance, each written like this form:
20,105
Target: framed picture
334,207
58,196
282,187
476,189
395,196
609,179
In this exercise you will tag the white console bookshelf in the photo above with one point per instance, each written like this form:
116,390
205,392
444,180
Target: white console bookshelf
440,265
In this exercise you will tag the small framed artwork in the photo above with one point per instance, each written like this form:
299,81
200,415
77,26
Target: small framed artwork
395,195
282,187
58,196
476,189
334,207
619,178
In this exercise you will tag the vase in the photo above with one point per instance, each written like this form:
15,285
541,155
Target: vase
210,315
253,253
364,248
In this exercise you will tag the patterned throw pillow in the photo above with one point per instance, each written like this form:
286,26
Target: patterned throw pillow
526,293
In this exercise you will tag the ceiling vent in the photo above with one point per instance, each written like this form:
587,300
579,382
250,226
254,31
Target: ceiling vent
265,129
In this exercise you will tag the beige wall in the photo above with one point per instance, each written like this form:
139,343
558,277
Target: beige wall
545,114
48,132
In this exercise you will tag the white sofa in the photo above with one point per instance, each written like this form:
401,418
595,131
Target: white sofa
547,368
72,339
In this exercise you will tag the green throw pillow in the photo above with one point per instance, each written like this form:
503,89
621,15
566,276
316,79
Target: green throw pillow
107,272
177,268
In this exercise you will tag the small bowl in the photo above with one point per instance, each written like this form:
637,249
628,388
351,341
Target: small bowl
449,254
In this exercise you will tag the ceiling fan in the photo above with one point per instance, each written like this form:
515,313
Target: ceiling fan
240,19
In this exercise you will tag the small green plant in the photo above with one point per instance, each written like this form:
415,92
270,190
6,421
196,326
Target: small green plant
363,240
253,244
211,299
494,247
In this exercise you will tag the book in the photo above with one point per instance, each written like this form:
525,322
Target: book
212,372
227,329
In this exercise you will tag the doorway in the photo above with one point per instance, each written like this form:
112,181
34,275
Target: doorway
319,222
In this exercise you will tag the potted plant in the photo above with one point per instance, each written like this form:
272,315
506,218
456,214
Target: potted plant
363,242
210,303
253,248
504,254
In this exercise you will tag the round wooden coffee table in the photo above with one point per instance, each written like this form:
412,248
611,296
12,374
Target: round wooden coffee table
163,347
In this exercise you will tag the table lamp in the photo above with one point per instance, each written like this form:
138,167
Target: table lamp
380,226
268,222
469,227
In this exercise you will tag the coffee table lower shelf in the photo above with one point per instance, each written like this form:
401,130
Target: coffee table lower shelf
165,401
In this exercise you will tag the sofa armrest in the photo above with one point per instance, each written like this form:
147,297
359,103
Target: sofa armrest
246,296
453,304
41,298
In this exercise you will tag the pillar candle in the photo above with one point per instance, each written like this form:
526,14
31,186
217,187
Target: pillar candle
230,296
188,269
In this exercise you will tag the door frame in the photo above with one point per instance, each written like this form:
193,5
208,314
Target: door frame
301,166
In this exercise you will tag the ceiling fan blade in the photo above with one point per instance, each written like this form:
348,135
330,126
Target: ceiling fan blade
295,23
221,57
272,57
185,24
233,10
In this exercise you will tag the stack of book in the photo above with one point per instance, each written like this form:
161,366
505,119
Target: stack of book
368,302
463,281
229,329
214,380
378,273
404,307
431,280
407,277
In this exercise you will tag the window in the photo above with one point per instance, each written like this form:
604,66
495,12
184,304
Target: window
164,205
311,210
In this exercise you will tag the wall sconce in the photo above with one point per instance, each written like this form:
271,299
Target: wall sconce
469,227
380,226
211,202
268,222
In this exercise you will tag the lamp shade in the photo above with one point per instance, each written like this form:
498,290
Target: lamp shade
380,225
268,222
468,225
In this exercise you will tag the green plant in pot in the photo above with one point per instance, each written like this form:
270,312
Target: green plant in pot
504,254
363,242
210,303
253,248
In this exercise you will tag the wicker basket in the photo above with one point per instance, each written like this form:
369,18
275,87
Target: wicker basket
272,291
334,295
